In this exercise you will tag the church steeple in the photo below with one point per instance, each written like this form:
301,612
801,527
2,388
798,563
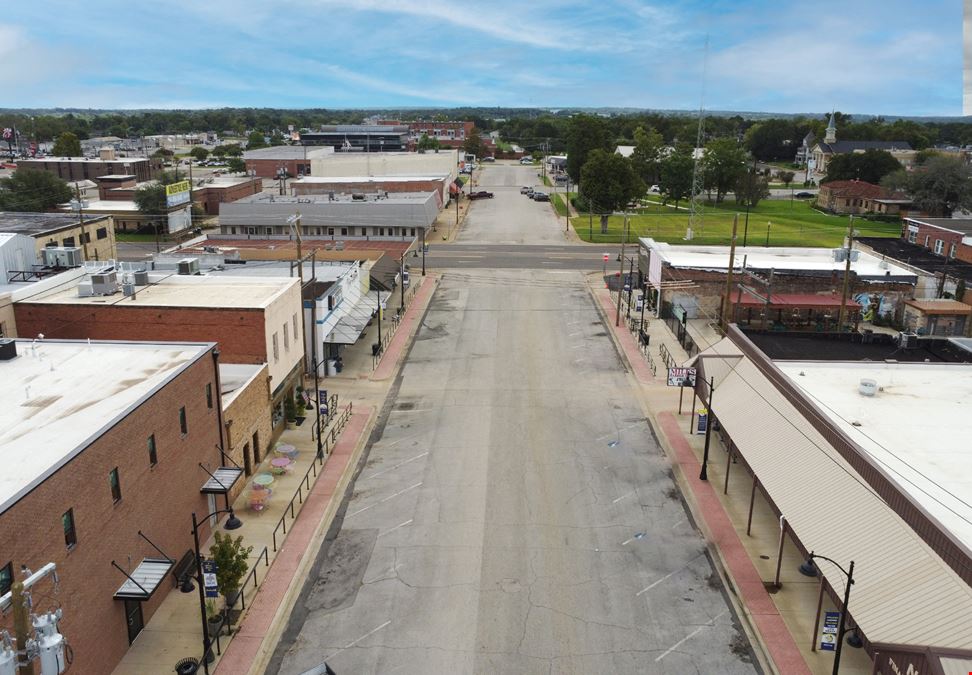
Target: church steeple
831,136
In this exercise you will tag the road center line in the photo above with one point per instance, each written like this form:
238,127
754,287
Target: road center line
670,574
354,642
407,522
400,492
625,494
403,463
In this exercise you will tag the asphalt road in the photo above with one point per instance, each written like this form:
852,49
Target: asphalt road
514,513
506,256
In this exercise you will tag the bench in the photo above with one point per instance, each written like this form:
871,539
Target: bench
185,568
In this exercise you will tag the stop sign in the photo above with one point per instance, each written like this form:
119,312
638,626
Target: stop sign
606,256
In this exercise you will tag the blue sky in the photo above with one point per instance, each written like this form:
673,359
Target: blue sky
866,56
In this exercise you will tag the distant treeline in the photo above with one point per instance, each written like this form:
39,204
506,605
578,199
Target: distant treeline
530,128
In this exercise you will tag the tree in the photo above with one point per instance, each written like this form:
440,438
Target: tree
608,183
426,143
236,165
750,189
941,186
869,166
786,177
773,139
585,133
199,153
474,144
724,163
163,153
67,145
231,557
255,140
150,199
219,151
676,174
30,190
646,158
276,138
233,149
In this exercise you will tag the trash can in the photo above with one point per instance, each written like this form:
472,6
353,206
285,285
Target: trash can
375,349
331,367
338,364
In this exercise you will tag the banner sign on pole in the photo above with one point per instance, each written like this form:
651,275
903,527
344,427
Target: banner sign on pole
703,419
209,578
828,635
681,377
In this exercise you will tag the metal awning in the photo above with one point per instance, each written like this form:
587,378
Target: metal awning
222,481
142,582
350,326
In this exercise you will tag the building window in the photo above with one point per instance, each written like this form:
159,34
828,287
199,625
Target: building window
115,485
912,236
951,251
183,425
939,245
276,348
153,453
286,332
296,332
67,523
3,329
344,231
209,395
6,578
927,239
68,242
330,231
85,238
102,233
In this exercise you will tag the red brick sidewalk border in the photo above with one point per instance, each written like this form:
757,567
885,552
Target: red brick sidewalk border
245,647
628,342
389,361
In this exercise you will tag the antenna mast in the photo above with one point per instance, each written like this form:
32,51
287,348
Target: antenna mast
697,203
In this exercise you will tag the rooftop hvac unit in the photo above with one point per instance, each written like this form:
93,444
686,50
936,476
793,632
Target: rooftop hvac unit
189,266
907,340
141,278
105,283
61,257
8,349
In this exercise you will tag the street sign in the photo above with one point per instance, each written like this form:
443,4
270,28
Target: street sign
606,256
828,635
681,377
209,578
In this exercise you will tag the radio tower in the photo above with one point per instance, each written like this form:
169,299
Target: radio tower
697,204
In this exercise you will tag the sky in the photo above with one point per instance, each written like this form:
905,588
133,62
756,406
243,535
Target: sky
892,57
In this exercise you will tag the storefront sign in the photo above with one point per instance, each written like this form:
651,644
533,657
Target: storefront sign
681,377
828,635
177,193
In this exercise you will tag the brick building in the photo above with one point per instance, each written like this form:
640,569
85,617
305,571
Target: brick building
294,160
858,196
95,235
449,134
247,416
82,168
255,320
371,185
99,442
947,237
210,192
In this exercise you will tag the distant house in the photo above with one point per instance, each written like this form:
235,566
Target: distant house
624,150
822,152
805,149
857,196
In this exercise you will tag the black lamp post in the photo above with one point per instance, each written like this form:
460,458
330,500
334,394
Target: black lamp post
704,473
317,393
232,523
807,568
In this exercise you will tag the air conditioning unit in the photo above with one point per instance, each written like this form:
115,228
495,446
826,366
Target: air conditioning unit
141,278
62,257
189,266
907,340
105,283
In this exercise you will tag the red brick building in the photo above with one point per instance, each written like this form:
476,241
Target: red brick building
320,185
220,189
857,196
295,160
82,168
947,237
102,441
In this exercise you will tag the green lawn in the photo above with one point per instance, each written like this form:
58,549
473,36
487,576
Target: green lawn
793,224
557,199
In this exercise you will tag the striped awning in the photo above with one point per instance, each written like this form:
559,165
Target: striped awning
143,581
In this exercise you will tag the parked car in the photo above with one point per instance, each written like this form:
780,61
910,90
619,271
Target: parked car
488,159
541,197
526,160
526,190
654,189
481,194
804,195
560,178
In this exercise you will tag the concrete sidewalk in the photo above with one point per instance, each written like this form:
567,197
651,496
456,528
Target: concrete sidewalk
407,326
780,621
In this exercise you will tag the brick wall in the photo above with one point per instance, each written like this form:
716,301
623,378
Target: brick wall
239,332
211,196
371,187
267,168
158,500
248,414
933,234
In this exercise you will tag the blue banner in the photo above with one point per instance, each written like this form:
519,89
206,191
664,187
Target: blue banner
209,578
828,636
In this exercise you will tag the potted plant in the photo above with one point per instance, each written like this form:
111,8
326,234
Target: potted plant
231,564
213,617
301,407
290,411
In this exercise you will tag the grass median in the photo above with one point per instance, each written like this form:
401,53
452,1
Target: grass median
772,222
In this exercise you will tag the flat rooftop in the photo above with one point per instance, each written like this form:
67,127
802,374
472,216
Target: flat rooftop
400,198
912,254
61,395
961,225
779,258
317,180
916,428
287,152
176,290
39,224
803,346
79,160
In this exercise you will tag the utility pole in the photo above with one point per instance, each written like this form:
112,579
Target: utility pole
752,178
423,251
726,306
84,239
21,622
624,239
847,269
294,222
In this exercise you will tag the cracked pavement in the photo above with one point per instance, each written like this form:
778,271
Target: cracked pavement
493,527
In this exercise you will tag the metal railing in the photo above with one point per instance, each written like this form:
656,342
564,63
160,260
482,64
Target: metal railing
666,356
395,323
241,596
328,442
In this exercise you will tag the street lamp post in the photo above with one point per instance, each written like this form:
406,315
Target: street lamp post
317,391
810,570
232,523
704,473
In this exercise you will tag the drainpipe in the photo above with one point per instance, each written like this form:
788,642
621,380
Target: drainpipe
218,403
